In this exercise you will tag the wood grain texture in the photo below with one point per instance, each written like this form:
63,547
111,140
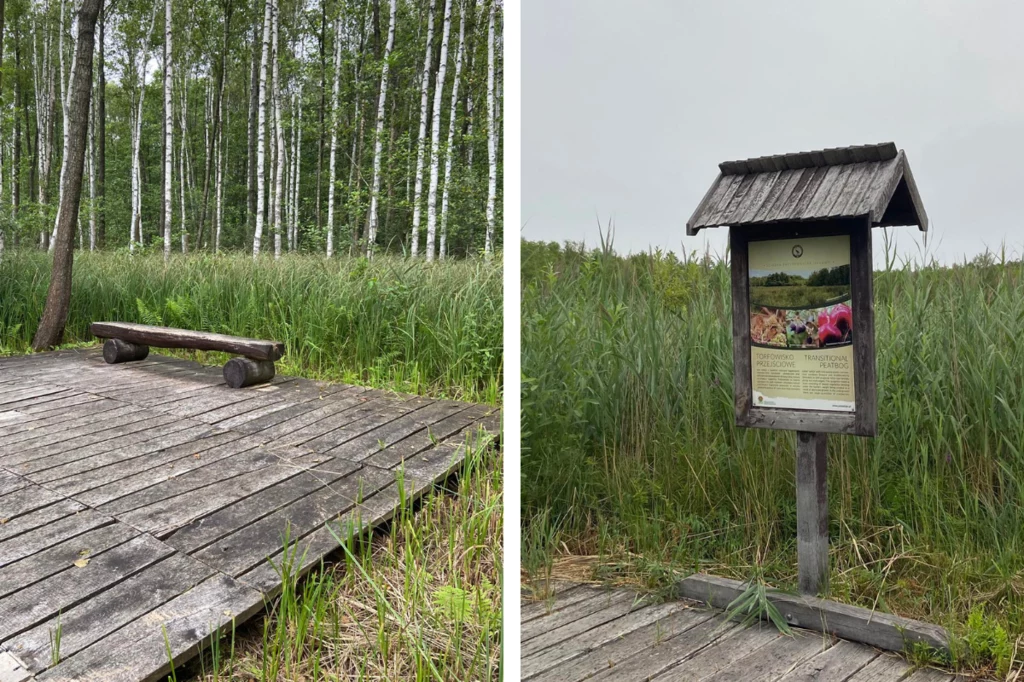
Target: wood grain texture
167,451
167,337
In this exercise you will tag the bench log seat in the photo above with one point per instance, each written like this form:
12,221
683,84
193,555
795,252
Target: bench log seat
128,342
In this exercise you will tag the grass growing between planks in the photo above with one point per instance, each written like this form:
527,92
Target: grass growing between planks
630,455
421,601
428,329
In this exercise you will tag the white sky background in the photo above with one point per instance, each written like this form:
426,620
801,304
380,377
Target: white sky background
628,107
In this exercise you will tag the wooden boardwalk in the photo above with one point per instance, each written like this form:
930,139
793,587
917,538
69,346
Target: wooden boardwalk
144,506
587,633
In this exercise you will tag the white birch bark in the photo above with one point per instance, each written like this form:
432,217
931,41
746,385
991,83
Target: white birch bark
92,173
182,177
414,237
492,159
64,90
261,132
371,228
279,135
296,168
169,135
331,177
435,132
135,120
219,210
449,149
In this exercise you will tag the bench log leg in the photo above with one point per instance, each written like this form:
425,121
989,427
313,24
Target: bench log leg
116,351
241,372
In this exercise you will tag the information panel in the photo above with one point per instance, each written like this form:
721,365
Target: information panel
801,324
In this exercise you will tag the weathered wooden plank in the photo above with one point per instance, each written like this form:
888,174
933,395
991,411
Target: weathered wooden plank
315,429
241,408
36,567
621,605
15,446
299,418
41,408
387,414
9,482
203,531
28,607
63,464
63,418
169,514
703,651
90,621
25,500
115,474
585,643
424,439
637,647
768,663
107,438
37,519
665,650
39,538
187,474
386,435
213,398
880,630
29,392
600,599
544,607
884,668
244,549
837,664
166,337
139,651
930,675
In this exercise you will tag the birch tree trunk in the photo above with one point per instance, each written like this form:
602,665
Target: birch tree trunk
92,177
449,148
65,102
220,190
279,135
414,237
492,159
261,132
169,134
58,297
333,149
182,160
135,120
435,132
371,228
296,168
101,130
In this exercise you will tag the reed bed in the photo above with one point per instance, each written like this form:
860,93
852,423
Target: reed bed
427,329
630,453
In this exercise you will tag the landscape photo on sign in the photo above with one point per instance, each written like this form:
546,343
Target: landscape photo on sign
801,323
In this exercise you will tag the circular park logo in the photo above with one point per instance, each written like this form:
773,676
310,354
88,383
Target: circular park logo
798,251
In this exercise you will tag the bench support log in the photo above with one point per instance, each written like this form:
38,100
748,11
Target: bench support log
241,372
116,351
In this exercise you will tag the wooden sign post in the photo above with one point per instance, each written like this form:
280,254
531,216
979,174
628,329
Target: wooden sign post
803,304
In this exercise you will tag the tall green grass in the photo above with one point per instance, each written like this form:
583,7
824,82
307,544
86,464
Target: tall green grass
429,329
630,451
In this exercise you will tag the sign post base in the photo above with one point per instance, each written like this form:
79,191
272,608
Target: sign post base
812,512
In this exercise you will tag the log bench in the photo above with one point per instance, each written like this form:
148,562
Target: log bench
127,342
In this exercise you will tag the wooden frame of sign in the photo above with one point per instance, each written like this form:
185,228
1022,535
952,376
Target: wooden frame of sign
863,420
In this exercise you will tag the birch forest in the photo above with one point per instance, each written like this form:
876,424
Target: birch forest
341,127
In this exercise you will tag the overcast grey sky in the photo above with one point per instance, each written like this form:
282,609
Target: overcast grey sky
628,107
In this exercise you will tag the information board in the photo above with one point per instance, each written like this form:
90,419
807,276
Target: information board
801,324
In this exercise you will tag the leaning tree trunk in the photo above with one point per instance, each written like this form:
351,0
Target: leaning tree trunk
168,132
333,121
261,125
371,228
278,136
492,138
435,132
414,237
58,297
449,149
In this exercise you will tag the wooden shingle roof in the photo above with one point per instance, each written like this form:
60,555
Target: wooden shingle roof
873,180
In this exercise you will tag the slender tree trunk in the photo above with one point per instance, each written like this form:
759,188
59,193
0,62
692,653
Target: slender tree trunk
1,46
254,92
279,135
169,133
435,132
182,162
101,133
371,228
320,126
414,237
355,174
217,97
492,138
333,122
58,297
449,148
296,167
261,132
220,189
92,176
